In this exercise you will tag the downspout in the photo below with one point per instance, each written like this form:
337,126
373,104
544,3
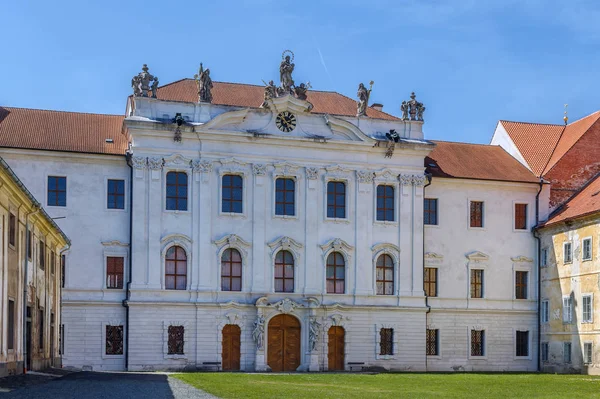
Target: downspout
429,177
36,209
539,276
128,294
60,289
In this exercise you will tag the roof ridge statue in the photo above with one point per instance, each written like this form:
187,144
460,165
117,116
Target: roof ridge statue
205,85
412,109
285,73
363,98
141,86
287,87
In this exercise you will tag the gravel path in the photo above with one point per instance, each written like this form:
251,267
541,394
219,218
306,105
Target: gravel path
92,385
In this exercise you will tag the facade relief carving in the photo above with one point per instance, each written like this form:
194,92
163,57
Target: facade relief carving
312,173
365,176
139,162
314,333
155,163
259,169
144,84
202,166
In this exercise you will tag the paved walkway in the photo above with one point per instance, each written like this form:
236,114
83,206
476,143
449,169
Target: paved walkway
93,385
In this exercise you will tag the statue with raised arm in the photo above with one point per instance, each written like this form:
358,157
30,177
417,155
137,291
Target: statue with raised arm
269,93
205,85
313,333
258,333
363,95
285,73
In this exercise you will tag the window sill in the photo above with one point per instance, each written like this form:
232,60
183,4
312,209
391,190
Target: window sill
517,358
476,228
433,226
286,217
434,356
478,357
385,223
233,215
116,210
176,211
521,230
105,356
586,260
587,322
176,357
386,357
337,220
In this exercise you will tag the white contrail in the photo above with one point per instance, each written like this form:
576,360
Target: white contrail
323,61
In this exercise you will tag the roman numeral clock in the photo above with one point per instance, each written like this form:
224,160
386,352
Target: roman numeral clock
286,121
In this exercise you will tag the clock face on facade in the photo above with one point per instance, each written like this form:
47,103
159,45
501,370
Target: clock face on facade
286,121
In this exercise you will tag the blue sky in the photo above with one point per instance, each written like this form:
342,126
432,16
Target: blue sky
471,62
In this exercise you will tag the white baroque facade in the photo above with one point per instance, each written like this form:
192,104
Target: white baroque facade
220,267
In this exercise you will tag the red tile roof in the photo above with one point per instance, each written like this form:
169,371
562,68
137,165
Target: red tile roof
245,95
535,142
476,161
584,203
572,133
61,131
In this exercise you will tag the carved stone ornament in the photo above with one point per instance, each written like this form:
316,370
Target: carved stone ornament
418,180
338,320
177,160
313,333
405,180
202,166
364,176
205,85
287,86
412,109
286,67
144,84
386,175
363,95
233,240
286,306
337,244
285,168
259,169
233,165
312,173
258,333
338,171
522,259
155,163
477,256
139,162
285,243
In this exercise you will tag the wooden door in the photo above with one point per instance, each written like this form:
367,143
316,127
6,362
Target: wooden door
283,347
335,350
231,348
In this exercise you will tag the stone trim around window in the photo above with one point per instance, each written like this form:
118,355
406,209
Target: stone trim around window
186,340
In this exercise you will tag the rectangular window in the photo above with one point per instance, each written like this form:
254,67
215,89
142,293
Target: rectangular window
42,255
520,216
545,311
29,244
386,344
61,340
567,352
476,217
285,197
586,253
114,340
12,229
521,284
477,342
430,211
544,351
522,343
41,328
11,325
175,342
232,193
57,191
567,309
63,270
52,262
544,260
336,199
114,272
567,252
587,352
430,281
385,203
177,191
432,342
115,197
587,306
476,283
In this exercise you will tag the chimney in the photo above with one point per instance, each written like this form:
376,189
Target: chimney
377,106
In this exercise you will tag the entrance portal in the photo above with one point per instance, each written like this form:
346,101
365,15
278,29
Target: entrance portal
283,343
335,350
231,348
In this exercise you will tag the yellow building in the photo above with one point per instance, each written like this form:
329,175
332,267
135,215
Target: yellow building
570,284
31,248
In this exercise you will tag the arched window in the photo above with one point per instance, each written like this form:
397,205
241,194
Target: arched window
177,191
284,272
385,275
176,269
336,273
231,270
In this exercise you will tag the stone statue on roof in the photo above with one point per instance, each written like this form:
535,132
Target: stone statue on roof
205,85
404,109
141,83
300,91
285,73
363,99
270,92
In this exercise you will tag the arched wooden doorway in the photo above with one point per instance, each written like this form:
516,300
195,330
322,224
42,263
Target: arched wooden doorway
230,360
283,349
336,348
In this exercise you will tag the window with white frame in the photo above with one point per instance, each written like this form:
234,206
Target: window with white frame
567,252
586,251
567,352
544,351
522,343
544,260
587,308
567,309
587,352
545,311
477,343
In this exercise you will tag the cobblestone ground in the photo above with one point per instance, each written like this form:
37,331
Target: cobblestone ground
92,385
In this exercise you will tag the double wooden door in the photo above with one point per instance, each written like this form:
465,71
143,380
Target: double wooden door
231,348
335,349
283,348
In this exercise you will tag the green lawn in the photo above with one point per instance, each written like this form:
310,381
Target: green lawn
404,385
